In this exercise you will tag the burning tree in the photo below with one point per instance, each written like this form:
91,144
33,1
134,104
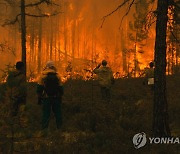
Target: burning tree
173,37
138,31
23,15
160,111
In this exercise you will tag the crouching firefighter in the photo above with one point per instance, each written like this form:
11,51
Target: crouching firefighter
50,91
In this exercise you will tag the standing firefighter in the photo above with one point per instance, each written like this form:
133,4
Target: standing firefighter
105,78
149,76
16,82
50,93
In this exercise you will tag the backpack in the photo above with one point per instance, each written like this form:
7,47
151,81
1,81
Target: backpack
51,84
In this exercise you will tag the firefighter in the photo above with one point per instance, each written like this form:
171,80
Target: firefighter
149,76
16,86
50,91
105,79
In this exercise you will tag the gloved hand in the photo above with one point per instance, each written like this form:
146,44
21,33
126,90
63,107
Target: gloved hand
99,65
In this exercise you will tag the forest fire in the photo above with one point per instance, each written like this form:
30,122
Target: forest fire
109,71
75,36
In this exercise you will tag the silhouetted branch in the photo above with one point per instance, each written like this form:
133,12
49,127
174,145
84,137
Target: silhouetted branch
10,2
106,16
40,2
35,4
43,15
151,23
127,12
150,19
4,47
12,21
175,37
31,15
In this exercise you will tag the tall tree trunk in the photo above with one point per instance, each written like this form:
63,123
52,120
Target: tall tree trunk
172,58
65,31
39,45
51,40
84,45
160,114
135,56
168,58
92,48
73,47
58,39
55,47
47,47
123,49
55,40
31,45
78,41
59,43
23,34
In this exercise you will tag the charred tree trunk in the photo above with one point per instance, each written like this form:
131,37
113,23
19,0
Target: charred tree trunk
23,34
78,41
160,114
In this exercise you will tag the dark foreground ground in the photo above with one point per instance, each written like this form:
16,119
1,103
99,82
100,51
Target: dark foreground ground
90,125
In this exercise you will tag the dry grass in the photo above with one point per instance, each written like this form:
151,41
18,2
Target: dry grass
93,126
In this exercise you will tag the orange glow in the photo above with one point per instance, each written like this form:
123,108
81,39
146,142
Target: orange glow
75,38
71,7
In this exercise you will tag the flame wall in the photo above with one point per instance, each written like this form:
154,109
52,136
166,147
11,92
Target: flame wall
74,36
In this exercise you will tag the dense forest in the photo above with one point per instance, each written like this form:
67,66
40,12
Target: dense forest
77,35
67,32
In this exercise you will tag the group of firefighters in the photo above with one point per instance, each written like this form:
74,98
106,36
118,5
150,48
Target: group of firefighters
50,89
